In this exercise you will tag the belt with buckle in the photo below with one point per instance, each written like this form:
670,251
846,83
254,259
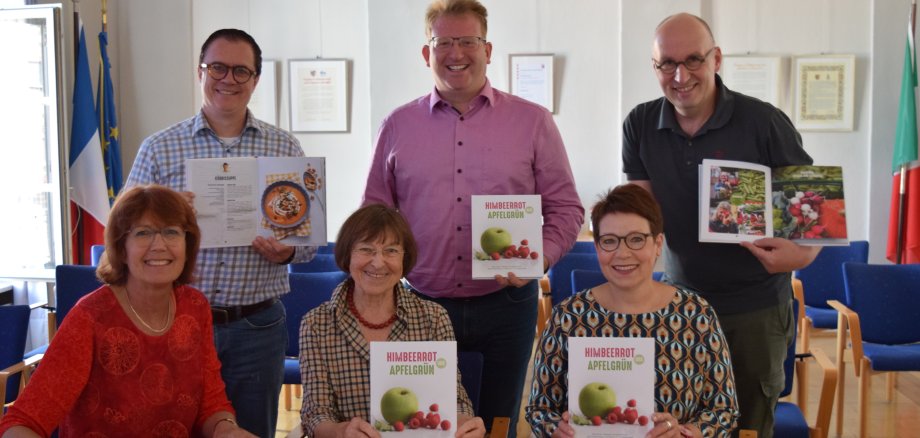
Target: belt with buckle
226,315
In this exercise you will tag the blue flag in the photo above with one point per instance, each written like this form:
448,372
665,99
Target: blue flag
108,124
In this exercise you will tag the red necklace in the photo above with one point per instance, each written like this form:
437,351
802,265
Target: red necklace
350,297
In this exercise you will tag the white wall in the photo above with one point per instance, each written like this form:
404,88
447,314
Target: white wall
602,71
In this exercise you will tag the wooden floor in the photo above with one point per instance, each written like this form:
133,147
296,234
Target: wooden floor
899,418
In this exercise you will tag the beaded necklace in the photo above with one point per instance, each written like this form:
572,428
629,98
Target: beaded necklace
350,298
168,314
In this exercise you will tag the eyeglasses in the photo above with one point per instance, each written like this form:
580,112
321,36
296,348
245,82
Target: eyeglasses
441,43
145,235
693,62
634,241
369,253
218,71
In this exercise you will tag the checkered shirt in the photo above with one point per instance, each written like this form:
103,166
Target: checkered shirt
227,276
335,357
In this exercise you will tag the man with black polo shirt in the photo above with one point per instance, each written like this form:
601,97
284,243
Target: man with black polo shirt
664,142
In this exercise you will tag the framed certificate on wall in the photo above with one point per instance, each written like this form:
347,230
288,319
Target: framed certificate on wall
318,95
264,100
824,92
755,76
532,79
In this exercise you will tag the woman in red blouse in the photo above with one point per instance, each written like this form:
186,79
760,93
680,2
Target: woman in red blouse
135,357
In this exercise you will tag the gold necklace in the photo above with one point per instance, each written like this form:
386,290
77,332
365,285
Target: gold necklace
168,312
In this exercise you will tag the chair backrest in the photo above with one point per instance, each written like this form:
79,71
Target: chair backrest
470,365
789,363
308,290
885,298
583,247
822,280
560,277
14,324
584,279
72,282
328,249
96,254
320,263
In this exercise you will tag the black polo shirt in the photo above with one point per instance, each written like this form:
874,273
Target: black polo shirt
655,148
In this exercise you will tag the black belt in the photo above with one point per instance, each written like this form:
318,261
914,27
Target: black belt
226,315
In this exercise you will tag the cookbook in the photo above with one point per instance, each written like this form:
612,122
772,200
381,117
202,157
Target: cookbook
742,201
611,386
414,388
239,198
507,236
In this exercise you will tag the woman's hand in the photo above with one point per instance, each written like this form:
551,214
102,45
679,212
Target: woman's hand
668,426
358,428
564,429
470,427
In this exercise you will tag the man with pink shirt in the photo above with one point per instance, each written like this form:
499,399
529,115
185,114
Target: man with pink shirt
466,138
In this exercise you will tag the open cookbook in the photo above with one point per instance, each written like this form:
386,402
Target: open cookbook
239,198
742,201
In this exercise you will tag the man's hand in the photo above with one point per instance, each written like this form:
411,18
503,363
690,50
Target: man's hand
470,427
273,250
513,280
781,255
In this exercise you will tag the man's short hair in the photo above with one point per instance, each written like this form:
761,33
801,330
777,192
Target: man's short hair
233,35
439,8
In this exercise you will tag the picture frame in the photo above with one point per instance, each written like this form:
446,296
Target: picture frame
318,95
264,100
824,92
756,76
531,78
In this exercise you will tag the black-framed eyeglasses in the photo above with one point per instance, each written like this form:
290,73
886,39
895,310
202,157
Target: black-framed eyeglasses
634,241
465,42
693,62
218,71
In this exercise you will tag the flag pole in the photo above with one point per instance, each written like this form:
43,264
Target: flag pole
105,19
902,190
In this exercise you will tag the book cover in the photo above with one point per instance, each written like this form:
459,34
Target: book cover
744,202
611,386
507,236
239,198
414,388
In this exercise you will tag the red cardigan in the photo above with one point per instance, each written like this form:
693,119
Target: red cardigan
101,374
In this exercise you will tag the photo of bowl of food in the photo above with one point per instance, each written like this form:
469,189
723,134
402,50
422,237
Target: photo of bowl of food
285,204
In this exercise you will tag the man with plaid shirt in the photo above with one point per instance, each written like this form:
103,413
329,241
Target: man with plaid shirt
242,283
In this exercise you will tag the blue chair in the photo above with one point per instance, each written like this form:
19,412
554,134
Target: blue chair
308,290
789,419
96,254
71,282
14,325
880,321
470,365
328,249
320,263
560,275
584,279
583,247
822,280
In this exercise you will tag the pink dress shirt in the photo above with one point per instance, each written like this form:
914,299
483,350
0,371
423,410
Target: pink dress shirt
430,159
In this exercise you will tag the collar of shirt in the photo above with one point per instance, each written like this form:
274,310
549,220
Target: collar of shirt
407,314
725,104
486,95
200,123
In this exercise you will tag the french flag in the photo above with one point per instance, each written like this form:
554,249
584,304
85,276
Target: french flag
88,191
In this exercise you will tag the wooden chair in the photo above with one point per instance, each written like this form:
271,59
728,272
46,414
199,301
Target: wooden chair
880,321
14,371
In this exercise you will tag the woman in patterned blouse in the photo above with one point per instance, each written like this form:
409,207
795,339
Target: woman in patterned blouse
376,248
694,385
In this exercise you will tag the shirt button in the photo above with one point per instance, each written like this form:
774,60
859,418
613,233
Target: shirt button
459,199
459,143
462,118
459,170
689,143
217,291
689,163
459,284
458,228
459,257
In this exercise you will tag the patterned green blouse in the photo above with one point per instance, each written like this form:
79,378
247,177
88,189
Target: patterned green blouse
694,380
